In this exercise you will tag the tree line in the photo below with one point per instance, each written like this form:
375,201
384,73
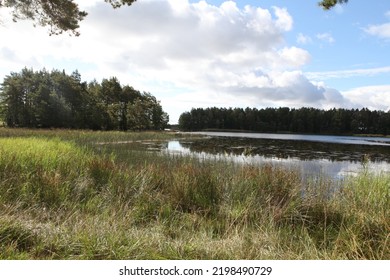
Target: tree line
43,99
283,119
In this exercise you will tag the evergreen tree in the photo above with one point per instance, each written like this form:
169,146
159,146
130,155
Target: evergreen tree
303,120
55,99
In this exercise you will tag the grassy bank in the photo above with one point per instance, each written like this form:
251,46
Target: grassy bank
63,196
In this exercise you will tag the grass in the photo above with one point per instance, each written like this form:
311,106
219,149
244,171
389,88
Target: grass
62,196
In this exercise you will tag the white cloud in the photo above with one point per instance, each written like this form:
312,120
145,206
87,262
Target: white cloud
303,39
284,20
201,48
187,54
287,88
380,30
294,56
326,37
372,97
342,74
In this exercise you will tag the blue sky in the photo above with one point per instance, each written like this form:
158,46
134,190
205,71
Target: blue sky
257,53
338,40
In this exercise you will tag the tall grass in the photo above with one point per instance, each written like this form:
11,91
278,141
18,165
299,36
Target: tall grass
64,197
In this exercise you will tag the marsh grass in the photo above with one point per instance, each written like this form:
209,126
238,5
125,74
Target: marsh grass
62,196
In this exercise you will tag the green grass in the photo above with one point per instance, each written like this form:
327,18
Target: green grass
62,196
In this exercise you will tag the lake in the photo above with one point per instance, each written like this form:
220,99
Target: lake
335,156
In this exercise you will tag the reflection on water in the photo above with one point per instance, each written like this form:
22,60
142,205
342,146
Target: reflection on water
336,158
357,140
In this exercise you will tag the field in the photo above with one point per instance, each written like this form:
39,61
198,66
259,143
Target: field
65,196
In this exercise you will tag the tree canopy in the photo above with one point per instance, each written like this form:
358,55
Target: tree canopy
43,99
60,15
65,15
328,4
302,120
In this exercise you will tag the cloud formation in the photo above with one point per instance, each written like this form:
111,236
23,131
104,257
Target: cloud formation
326,37
371,97
303,39
379,30
160,33
187,54
203,47
342,74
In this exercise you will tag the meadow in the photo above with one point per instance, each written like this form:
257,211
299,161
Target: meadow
65,195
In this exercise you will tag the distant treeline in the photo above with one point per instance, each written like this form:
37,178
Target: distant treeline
54,99
303,120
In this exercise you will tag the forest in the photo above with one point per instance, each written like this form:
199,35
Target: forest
43,99
283,119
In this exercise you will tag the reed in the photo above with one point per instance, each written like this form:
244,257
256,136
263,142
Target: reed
63,196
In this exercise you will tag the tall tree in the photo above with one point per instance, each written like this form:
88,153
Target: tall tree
12,100
60,15
303,120
111,92
55,99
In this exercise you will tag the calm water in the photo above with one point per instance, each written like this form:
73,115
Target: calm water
336,156
357,140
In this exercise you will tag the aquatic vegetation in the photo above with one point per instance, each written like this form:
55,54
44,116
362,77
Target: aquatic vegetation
63,196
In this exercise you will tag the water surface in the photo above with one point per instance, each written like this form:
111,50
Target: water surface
357,140
335,156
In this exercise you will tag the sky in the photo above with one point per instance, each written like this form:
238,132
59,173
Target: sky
249,53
